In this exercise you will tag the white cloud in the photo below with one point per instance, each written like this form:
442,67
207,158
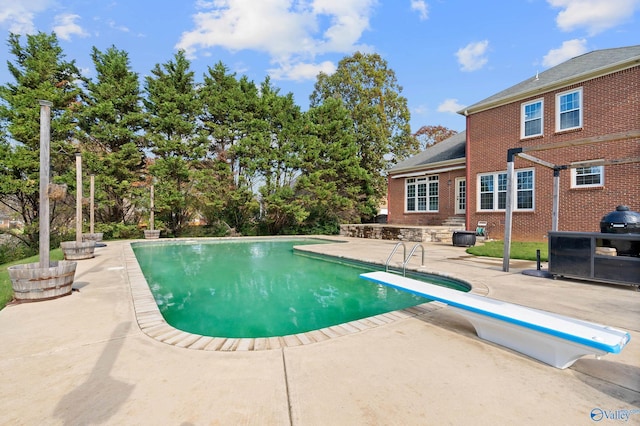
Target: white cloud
594,15
568,50
421,7
472,57
18,16
112,24
450,105
301,71
420,109
289,31
65,26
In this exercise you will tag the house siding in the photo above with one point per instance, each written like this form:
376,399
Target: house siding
446,202
611,104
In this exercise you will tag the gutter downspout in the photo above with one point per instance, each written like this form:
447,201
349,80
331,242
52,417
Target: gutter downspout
388,199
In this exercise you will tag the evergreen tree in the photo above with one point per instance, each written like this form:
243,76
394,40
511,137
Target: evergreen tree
330,170
369,90
228,106
270,154
41,73
111,120
173,106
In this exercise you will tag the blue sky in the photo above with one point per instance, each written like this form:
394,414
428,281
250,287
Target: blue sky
446,53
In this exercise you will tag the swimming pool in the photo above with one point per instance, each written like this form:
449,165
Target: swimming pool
259,288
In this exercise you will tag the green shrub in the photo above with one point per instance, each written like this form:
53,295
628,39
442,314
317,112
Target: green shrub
219,229
119,231
11,253
12,249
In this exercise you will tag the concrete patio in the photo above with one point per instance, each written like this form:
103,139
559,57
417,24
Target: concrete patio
84,359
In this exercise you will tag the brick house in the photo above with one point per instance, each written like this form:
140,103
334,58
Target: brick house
430,187
582,117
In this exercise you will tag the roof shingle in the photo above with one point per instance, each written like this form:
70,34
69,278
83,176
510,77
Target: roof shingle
449,149
584,66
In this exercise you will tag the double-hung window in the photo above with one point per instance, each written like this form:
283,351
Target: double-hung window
422,194
531,121
492,191
569,110
587,176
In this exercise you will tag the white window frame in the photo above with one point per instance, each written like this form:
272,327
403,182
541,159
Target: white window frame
431,182
559,113
524,121
574,175
496,191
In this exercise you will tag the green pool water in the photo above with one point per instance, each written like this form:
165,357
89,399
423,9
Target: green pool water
259,288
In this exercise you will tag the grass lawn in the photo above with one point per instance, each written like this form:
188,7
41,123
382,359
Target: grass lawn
6,291
526,251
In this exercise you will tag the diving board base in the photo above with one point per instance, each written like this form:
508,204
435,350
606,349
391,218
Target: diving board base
559,353
554,339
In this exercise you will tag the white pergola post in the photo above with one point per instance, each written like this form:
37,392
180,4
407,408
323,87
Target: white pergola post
511,191
555,214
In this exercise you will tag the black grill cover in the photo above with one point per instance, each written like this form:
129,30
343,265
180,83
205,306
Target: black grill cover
621,221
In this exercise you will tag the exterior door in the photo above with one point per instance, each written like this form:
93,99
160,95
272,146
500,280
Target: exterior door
461,195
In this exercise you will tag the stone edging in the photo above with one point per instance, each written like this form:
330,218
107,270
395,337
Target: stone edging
153,324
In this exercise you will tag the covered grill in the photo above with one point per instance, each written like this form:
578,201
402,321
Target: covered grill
622,221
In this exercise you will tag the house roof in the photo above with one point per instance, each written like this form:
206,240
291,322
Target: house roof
580,68
452,148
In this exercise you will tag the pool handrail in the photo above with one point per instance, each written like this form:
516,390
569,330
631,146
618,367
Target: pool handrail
405,258
395,249
408,258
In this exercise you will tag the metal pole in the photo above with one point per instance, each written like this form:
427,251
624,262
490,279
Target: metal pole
555,214
508,216
511,191
78,197
45,139
151,207
92,194
556,199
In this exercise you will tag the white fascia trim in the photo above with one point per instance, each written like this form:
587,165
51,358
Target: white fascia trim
428,172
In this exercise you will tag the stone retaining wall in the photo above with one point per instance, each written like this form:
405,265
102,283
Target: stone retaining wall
395,232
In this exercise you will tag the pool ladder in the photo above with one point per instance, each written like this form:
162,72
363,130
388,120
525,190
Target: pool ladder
405,258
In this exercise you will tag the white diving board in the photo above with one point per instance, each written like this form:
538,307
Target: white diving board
553,339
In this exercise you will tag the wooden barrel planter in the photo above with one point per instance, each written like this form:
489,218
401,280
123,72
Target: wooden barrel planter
96,236
150,234
464,238
30,282
74,250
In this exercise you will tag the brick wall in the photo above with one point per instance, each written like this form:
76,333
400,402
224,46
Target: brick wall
446,191
611,104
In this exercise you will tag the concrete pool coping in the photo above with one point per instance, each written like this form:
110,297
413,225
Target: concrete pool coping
152,323
82,359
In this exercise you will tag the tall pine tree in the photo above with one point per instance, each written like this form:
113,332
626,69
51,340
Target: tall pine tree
172,106
270,154
369,89
330,169
40,72
111,122
228,105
